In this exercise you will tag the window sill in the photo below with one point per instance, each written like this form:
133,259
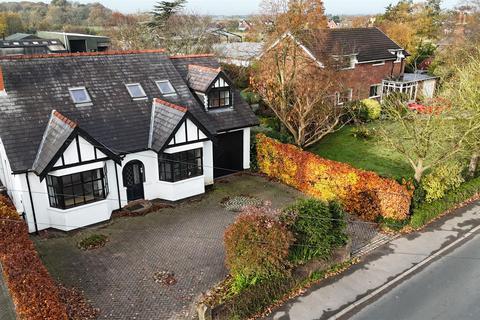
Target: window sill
86,206
183,181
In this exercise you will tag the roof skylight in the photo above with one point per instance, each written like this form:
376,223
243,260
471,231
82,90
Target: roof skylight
136,91
165,87
80,95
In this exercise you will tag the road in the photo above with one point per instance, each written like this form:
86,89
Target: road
447,289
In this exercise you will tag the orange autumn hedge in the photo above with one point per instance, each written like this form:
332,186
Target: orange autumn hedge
33,291
361,192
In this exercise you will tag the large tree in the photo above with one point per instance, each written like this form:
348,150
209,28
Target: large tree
164,10
299,91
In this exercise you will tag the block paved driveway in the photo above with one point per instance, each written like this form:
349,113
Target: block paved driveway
186,240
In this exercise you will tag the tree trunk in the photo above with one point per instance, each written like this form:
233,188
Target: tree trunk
419,170
472,168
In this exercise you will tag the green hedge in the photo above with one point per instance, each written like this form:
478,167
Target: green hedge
429,211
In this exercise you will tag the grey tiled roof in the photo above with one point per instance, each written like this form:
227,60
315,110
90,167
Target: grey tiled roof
58,130
36,86
165,119
200,78
369,43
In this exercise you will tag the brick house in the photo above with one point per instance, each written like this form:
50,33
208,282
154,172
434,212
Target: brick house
82,135
372,62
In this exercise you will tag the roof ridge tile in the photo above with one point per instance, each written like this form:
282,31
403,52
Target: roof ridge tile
67,121
81,54
205,68
186,56
170,105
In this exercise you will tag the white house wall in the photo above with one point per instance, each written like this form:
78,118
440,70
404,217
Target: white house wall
73,218
156,189
12,182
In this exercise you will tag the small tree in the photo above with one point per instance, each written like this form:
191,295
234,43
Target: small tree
425,139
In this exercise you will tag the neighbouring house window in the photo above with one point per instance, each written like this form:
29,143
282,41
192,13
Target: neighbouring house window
77,189
344,97
375,90
80,95
218,98
180,166
136,91
165,87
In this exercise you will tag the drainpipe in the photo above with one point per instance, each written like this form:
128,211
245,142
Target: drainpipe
118,186
31,203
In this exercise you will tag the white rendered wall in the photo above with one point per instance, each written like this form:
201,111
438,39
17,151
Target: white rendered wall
73,218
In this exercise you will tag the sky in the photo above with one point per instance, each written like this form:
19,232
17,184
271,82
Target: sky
244,7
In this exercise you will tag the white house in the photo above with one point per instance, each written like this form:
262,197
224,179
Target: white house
81,135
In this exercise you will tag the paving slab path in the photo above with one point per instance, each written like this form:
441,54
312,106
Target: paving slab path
328,299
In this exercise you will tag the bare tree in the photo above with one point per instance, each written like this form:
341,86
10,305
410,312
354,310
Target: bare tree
300,91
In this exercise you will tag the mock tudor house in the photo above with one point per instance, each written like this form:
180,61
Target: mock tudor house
82,135
374,62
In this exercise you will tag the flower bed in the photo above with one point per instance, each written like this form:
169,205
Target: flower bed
360,192
33,291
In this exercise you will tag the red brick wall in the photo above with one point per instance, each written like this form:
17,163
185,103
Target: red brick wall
366,74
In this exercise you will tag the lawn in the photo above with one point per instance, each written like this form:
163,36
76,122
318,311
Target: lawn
364,154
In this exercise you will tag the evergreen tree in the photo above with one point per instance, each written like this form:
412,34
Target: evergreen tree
163,10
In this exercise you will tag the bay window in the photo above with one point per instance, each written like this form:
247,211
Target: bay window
77,189
181,166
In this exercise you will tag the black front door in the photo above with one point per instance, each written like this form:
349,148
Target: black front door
133,179
228,153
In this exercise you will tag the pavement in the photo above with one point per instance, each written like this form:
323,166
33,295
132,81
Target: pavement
7,310
375,271
447,289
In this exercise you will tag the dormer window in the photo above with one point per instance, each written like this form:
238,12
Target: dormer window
136,91
80,95
219,97
165,87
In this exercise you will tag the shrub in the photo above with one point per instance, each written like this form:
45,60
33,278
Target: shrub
372,109
318,228
429,211
257,247
443,178
330,180
362,132
33,291
94,241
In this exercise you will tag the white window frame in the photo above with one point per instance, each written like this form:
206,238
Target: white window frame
70,90
144,95
379,63
379,90
170,84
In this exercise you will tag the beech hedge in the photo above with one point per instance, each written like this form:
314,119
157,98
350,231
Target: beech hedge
33,291
360,192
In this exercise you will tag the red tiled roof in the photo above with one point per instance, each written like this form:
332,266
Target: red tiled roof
171,105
